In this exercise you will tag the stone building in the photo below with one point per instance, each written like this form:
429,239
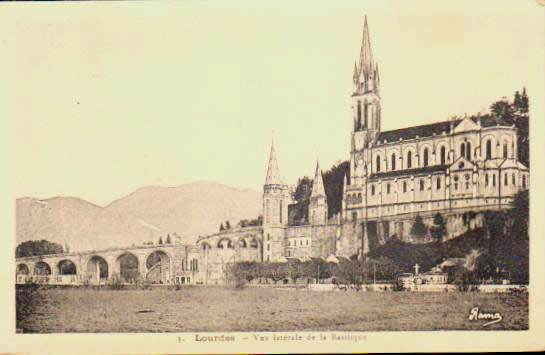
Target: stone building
453,167
450,167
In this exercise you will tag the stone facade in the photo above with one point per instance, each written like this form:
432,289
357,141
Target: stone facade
451,167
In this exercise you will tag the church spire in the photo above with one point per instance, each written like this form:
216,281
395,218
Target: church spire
366,55
356,73
273,173
318,184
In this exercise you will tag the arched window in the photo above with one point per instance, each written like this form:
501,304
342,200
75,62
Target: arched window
378,163
463,150
504,150
388,188
514,180
486,180
493,179
425,156
468,151
524,181
358,122
438,183
280,212
393,161
488,149
404,186
505,179
443,155
421,184
373,190
409,159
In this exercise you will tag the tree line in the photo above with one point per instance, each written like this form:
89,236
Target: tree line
347,271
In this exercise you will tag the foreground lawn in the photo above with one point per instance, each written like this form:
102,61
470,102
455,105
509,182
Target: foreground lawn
223,309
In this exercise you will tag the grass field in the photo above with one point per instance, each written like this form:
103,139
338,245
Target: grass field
223,309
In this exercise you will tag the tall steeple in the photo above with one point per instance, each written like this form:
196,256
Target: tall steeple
366,55
273,173
318,184
366,111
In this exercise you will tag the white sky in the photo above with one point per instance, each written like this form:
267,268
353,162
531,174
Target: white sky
169,93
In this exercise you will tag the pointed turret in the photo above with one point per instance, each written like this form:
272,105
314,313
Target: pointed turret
355,75
318,184
273,173
318,200
366,55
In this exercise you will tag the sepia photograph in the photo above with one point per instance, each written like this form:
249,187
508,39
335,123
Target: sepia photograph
276,173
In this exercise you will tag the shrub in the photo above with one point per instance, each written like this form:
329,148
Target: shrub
115,282
399,286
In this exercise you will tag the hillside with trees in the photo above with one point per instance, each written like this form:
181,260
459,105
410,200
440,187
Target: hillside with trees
37,248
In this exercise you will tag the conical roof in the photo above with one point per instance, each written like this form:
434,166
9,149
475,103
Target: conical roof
318,184
273,173
366,55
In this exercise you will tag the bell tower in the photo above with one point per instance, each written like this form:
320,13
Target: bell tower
276,198
365,105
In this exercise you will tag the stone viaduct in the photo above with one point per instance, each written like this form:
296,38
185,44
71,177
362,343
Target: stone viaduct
202,263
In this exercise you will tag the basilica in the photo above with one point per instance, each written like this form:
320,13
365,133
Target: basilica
450,167
454,168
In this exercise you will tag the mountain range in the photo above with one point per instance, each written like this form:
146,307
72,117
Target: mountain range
184,212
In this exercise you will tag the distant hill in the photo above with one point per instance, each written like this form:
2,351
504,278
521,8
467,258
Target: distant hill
188,210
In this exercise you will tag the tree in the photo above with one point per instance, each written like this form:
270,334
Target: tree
294,270
438,230
244,271
349,271
333,185
303,189
160,241
504,111
275,271
168,241
227,225
37,247
221,227
419,229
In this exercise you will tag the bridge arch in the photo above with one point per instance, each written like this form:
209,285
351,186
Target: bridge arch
225,243
67,267
42,268
242,243
97,267
158,264
128,266
22,269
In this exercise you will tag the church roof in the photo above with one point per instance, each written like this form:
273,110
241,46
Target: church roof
429,130
273,173
395,173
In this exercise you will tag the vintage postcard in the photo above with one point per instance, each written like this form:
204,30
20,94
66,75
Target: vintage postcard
205,177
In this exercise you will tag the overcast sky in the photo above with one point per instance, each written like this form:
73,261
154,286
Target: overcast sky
125,95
